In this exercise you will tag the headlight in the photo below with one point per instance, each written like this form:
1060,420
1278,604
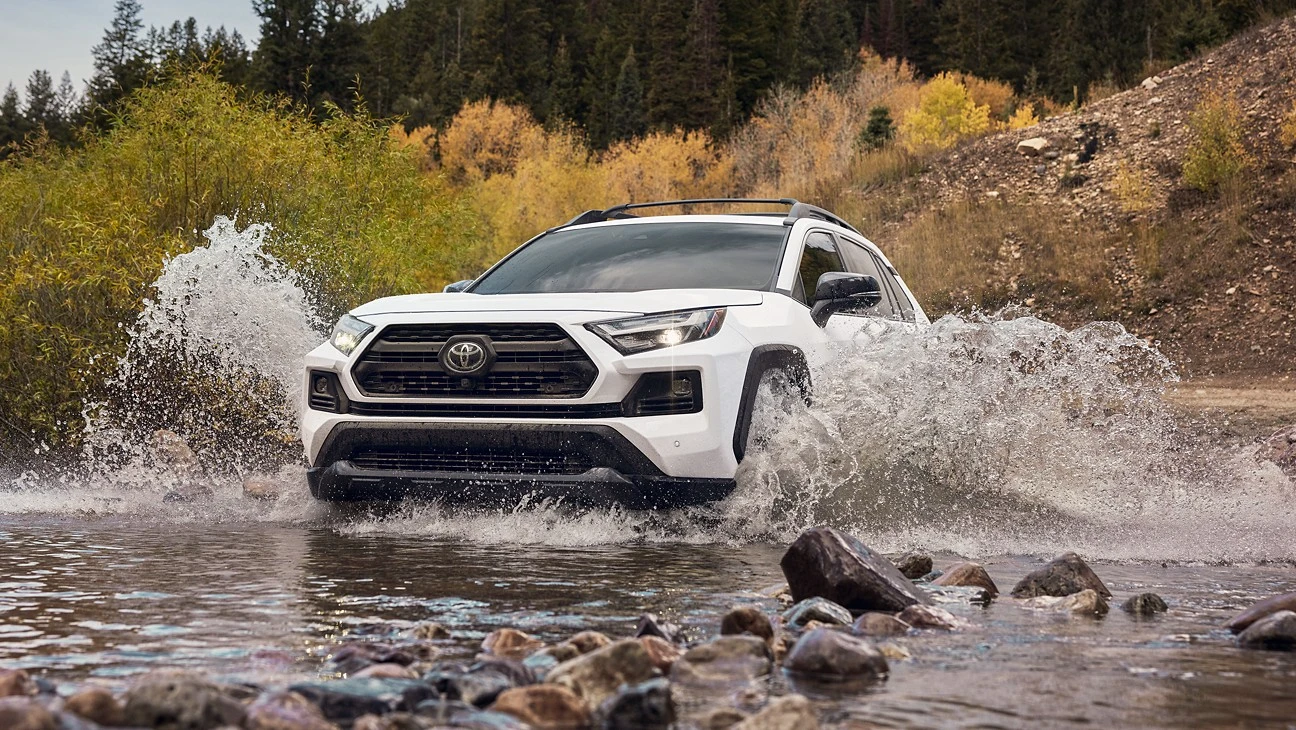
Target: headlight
348,333
640,334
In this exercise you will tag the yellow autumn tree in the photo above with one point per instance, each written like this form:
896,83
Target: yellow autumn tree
946,113
1023,117
488,138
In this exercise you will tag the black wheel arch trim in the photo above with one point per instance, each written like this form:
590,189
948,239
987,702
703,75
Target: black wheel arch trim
765,358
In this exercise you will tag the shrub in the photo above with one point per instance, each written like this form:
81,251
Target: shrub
1287,129
488,138
84,232
1216,156
1131,189
1022,118
945,114
879,130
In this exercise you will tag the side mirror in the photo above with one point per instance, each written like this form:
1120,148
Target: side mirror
838,291
458,286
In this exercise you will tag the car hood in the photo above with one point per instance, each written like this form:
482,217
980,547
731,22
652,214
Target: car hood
645,302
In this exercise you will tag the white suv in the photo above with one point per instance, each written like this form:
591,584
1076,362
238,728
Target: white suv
612,359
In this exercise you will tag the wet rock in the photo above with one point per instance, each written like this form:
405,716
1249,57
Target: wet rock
387,671
394,721
1269,606
662,653
779,592
429,631
1275,632
641,707
825,653
171,451
894,652
1087,602
930,617
1280,448
25,713
724,660
510,643
443,713
1144,604
1033,147
747,620
821,610
286,711
344,700
720,718
793,712
597,676
479,684
544,706
914,565
180,701
650,625
968,575
354,656
588,641
825,563
958,594
98,705
876,623
1063,576
16,683
262,488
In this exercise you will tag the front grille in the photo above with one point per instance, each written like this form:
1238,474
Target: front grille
531,361
472,461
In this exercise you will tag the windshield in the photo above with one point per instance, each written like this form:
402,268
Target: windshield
640,256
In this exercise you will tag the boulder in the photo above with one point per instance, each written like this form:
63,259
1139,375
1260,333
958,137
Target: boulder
970,575
826,563
16,683
747,620
353,656
650,625
344,700
1271,605
429,631
24,713
438,713
1280,448
387,671
793,712
479,684
820,610
263,488
286,711
98,705
914,565
180,701
1033,147
930,617
597,675
1144,604
510,643
724,660
662,653
1275,632
393,721
644,706
1064,575
1087,602
720,718
544,706
876,623
587,641
829,654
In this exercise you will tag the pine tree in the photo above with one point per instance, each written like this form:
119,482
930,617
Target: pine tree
628,117
564,89
289,46
341,52
13,127
667,87
121,60
67,106
41,109
825,39
705,67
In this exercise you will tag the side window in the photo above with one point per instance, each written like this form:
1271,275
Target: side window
904,307
863,262
818,258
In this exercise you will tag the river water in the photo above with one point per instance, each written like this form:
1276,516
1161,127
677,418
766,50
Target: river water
1001,438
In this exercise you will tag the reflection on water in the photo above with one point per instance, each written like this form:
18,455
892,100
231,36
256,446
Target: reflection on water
109,598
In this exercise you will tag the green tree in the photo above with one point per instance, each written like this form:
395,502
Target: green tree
564,88
341,52
41,108
629,119
667,85
13,126
289,47
121,61
825,41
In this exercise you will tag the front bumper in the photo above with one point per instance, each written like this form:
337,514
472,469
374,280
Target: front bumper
585,465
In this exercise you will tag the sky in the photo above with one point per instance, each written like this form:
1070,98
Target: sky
57,35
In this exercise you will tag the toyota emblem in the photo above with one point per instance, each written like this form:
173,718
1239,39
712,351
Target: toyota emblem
467,356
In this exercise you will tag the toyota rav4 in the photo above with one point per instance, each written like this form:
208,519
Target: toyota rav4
616,358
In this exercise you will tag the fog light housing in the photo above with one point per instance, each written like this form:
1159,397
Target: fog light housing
326,392
667,393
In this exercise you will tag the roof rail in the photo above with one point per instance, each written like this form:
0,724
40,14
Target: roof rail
796,210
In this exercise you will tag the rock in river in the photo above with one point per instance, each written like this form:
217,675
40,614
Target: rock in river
645,706
1064,575
1144,604
650,625
914,565
662,653
180,701
544,706
723,660
826,563
479,684
1271,605
816,609
793,712
510,643
25,713
825,653
344,700
286,711
970,575
1085,603
930,617
876,623
597,676
747,620
1276,632
16,683
97,705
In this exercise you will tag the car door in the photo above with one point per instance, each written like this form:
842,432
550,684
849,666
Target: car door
821,253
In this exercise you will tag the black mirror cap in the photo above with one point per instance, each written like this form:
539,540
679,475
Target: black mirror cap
838,291
458,286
